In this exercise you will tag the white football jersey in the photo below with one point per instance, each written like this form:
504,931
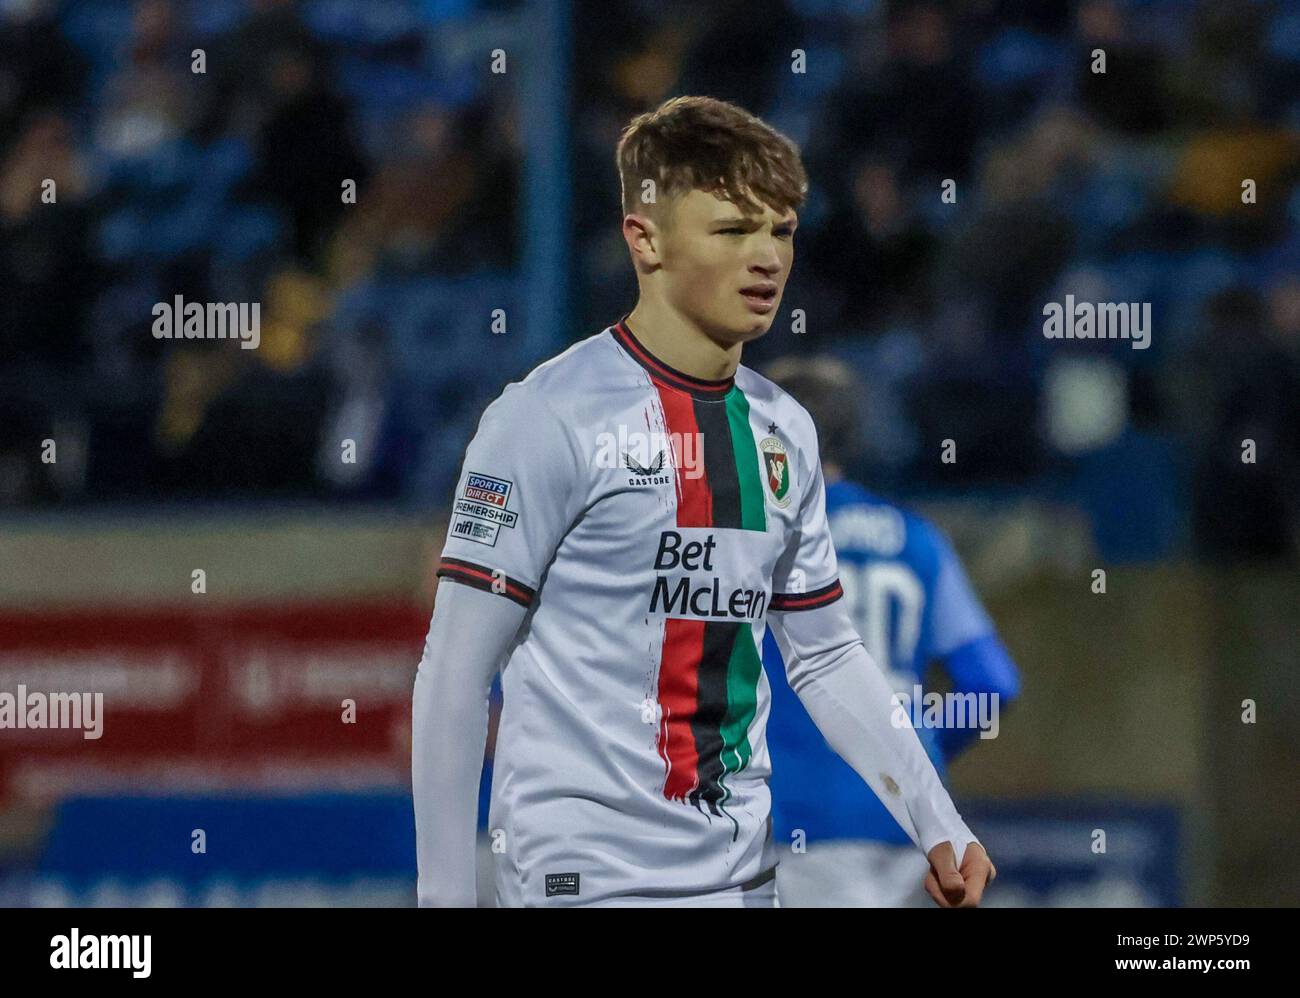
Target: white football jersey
649,521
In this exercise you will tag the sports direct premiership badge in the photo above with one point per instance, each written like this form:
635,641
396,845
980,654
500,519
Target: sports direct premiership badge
776,464
479,512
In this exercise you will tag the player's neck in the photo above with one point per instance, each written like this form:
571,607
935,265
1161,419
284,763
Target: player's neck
681,344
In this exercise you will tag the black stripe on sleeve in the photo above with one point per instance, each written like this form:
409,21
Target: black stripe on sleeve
480,577
807,601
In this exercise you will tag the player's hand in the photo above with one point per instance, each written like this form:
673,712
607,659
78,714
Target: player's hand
951,887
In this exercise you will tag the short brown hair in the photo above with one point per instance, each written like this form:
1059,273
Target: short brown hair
700,143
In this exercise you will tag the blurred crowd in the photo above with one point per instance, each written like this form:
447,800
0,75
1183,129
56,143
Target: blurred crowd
1117,186
326,160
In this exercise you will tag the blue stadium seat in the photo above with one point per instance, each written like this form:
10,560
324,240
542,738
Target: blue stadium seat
247,230
224,163
122,235
1016,57
211,18
354,25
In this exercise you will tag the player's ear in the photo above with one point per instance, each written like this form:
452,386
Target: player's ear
643,236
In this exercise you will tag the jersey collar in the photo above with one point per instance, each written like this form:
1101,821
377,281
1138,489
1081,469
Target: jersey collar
700,388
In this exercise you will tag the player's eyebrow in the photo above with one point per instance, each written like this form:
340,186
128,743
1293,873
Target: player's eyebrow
792,222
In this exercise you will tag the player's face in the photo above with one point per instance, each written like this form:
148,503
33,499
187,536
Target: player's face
726,269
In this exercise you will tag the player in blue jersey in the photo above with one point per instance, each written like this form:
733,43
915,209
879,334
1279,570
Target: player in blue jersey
912,604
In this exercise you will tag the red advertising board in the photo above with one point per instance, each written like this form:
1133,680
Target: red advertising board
293,697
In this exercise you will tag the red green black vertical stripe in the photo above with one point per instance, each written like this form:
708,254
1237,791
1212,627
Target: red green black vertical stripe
708,695
709,671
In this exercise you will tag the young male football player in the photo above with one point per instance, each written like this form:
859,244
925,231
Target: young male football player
907,595
629,519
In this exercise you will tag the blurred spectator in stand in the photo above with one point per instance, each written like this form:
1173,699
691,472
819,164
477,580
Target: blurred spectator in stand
47,283
1244,390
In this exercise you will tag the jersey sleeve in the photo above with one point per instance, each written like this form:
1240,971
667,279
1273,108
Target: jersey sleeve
956,614
854,707
807,575
515,499
469,634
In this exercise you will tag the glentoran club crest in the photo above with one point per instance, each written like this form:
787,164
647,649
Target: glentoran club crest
776,464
